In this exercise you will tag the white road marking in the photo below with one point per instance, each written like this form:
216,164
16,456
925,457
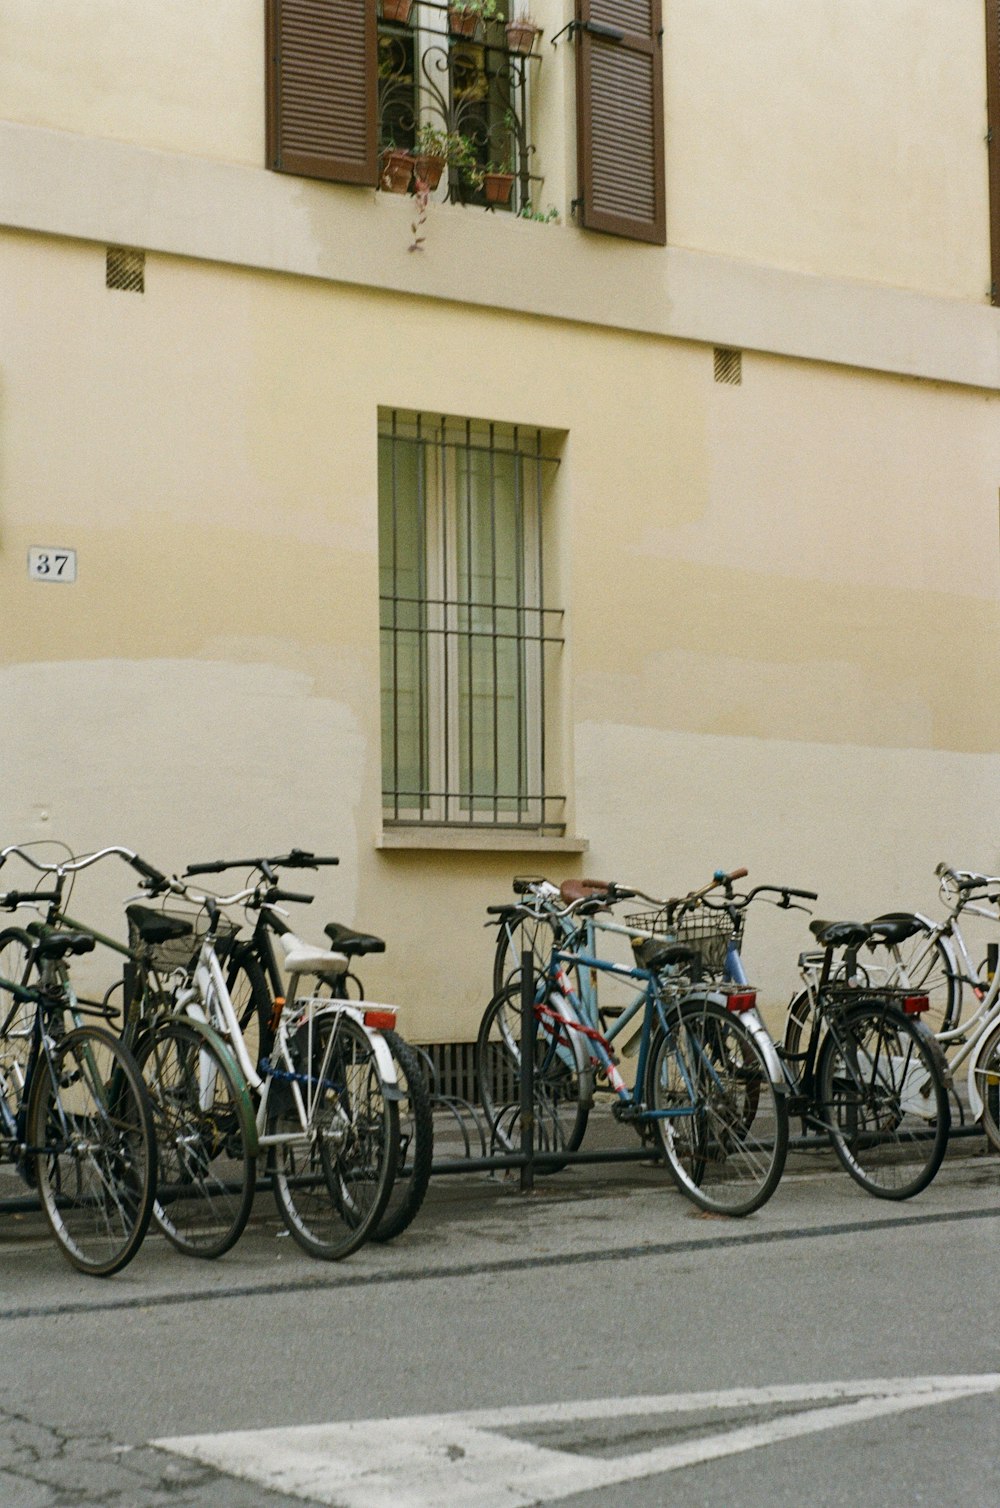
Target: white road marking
467,1460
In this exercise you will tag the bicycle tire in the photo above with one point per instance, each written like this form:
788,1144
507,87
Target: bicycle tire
206,1169
563,1079
929,970
416,1142
251,996
797,1020
332,1181
90,1132
17,1017
881,1095
727,1140
986,1076
523,934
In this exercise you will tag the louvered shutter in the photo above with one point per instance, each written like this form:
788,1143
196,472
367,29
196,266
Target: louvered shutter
993,116
619,85
322,88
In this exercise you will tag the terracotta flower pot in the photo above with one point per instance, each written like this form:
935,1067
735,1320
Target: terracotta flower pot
397,170
397,10
427,169
498,187
521,37
462,23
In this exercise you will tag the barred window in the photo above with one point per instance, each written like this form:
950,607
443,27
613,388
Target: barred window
469,645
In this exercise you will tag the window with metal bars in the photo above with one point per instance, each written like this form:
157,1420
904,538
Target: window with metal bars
469,645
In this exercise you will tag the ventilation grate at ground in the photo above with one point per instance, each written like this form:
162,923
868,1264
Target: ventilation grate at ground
455,1069
728,366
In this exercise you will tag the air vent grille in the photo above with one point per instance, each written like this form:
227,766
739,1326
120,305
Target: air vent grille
728,366
125,269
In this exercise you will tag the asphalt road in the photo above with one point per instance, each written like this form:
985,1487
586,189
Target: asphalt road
596,1337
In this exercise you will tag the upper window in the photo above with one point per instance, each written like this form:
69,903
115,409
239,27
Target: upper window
470,645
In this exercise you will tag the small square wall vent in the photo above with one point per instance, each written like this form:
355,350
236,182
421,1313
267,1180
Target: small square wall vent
125,269
728,366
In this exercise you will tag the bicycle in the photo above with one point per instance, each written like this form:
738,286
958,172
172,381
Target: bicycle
74,1116
325,1092
255,980
708,1086
202,1114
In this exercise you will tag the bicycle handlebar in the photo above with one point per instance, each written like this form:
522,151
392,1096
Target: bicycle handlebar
296,858
15,898
964,879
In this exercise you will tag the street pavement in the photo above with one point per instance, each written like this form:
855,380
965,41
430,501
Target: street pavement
595,1336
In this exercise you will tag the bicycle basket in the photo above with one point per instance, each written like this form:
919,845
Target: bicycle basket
180,952
707,931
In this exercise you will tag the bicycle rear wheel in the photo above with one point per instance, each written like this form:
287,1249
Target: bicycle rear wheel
722,1122
90,1130
882,1096
332,1176
562,1078
986,1076
206,1178
17,1017
928,968
416,1142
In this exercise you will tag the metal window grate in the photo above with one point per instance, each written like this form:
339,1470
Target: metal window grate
469,646
728,366
125,269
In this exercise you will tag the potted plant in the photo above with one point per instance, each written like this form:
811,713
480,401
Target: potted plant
464,15
397,10
498,185
397,169
521,32
431,151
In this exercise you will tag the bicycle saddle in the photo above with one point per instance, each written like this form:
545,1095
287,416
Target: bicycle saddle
893,928
303,958
840,934
345,940
58,944
579,890
653,954
156,926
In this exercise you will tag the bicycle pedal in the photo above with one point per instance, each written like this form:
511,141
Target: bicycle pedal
626,1113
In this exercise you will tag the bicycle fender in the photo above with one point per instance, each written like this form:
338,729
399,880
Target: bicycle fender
380,1047
755,1026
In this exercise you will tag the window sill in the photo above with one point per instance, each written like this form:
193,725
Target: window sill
477,839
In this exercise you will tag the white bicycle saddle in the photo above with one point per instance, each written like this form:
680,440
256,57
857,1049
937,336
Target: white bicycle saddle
303,958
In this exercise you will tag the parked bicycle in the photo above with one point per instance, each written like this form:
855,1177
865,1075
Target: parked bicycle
708,1088
75,1120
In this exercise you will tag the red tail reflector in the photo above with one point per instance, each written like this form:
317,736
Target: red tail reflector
741,1000
380,1017
914,1005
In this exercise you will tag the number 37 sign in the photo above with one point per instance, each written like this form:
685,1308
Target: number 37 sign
46,563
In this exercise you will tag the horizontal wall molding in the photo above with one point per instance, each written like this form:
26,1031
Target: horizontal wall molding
85,188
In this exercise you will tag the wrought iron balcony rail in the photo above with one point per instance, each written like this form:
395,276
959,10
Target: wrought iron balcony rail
453,91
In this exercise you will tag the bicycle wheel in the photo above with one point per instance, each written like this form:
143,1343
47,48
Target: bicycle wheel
206,1179
721,1121
17,1017
882,1096
927,967
416,1142
796,1023
91,1132
332,1175
986,1076
562,1078
251,997
515,937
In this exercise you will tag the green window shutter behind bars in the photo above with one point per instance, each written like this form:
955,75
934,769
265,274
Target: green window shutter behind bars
321,89
619,86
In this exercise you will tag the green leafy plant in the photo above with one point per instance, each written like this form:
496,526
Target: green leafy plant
543,217
488,10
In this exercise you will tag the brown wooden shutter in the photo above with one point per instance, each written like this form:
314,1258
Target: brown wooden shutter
619,88
322,88
993,138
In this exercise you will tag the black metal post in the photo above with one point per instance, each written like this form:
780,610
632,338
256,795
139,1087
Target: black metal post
528,1071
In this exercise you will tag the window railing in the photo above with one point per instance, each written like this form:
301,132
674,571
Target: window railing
457,101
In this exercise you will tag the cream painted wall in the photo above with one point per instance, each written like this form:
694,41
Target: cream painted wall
832,137
781,598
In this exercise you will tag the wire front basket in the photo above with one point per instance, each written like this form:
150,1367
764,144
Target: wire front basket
180,952
707,931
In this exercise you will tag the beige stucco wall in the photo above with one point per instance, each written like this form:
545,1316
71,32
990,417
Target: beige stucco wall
781,598
832,137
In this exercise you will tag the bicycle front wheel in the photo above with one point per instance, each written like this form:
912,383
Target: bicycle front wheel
986,1076
722,1122
562,1092
416,1141
882,1096
90,1131
336,1134
203,1139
